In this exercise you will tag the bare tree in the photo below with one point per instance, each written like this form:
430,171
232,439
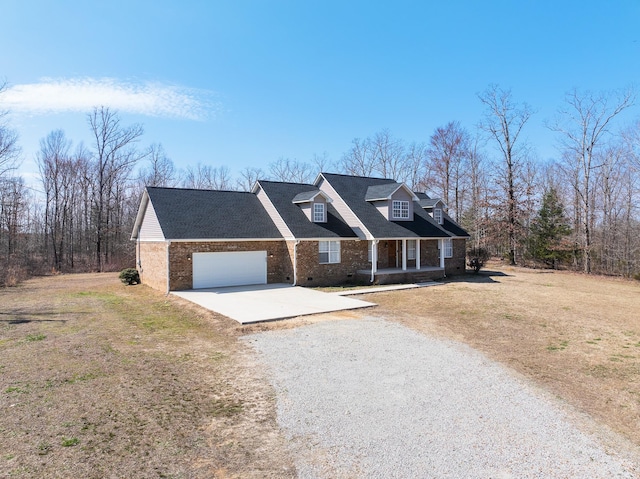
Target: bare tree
448,154
322,163
248,177
415,157
208,177
114,155
503,122
389,156
583,124
9,150
58,174
288,170
360,159
160,170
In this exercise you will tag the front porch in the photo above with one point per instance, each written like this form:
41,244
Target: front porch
399,275
410,260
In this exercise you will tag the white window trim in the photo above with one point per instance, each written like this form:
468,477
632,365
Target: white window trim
437,215
319,213
370,251
331,249
447,244
411,249
401,208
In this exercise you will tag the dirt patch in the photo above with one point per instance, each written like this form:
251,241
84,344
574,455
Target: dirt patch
577,336
98,379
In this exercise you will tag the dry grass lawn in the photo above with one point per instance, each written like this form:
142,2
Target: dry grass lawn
577,336
98,379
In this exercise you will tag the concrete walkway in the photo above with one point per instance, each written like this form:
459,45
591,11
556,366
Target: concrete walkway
268,302
380,289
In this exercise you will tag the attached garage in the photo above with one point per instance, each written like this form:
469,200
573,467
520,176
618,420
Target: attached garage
214,270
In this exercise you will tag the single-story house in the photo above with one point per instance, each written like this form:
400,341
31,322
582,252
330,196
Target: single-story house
339,229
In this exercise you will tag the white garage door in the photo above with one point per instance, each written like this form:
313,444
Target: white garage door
213,270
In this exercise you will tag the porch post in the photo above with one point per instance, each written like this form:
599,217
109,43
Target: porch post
418,253
404,255
374,259
441,246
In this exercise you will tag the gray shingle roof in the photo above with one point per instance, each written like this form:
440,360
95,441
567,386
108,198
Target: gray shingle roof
449,224
282,194
353,190
305,196
379,192
209,214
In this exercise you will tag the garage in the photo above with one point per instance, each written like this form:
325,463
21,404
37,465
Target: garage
214,270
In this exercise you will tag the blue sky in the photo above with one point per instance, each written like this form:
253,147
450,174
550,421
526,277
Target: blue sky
242,83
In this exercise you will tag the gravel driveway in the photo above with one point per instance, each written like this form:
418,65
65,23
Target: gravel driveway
373,399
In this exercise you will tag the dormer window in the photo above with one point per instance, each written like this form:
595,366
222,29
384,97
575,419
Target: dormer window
400,210
437,215
318,213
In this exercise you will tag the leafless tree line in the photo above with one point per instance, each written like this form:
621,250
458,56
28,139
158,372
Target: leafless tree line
488,176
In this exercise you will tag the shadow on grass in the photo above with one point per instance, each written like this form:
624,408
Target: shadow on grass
25,317
483,276
26,321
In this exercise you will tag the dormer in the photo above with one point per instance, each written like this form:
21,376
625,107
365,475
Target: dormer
435,207
393,200
314,204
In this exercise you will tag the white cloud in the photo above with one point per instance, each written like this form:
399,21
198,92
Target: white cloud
82,94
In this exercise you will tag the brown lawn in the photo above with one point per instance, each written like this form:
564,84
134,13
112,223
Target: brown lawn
576,336
98,379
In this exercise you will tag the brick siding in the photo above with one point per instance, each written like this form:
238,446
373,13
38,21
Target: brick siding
353,256
457,264
152,264
279,263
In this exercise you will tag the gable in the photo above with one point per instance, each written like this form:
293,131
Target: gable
150,229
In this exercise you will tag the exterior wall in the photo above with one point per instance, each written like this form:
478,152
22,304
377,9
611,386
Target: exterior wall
429,253
152,264
150,229
457,264
353,256
279,262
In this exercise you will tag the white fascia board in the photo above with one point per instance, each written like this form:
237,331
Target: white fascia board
319,193
144,201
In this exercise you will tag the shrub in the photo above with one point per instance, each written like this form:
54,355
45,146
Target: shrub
477,258
130,276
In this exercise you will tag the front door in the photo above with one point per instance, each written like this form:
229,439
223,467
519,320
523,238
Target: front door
393,254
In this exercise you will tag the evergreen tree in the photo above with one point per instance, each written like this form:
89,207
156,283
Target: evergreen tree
549,229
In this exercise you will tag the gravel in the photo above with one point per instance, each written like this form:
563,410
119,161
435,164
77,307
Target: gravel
371,398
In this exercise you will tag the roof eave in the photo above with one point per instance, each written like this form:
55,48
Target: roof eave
144,202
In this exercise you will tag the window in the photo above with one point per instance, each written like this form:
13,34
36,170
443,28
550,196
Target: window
437,215
401,209
448,247
370,252
318,213
411,249
329,252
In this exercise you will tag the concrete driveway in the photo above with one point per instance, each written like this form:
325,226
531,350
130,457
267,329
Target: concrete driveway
267,302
